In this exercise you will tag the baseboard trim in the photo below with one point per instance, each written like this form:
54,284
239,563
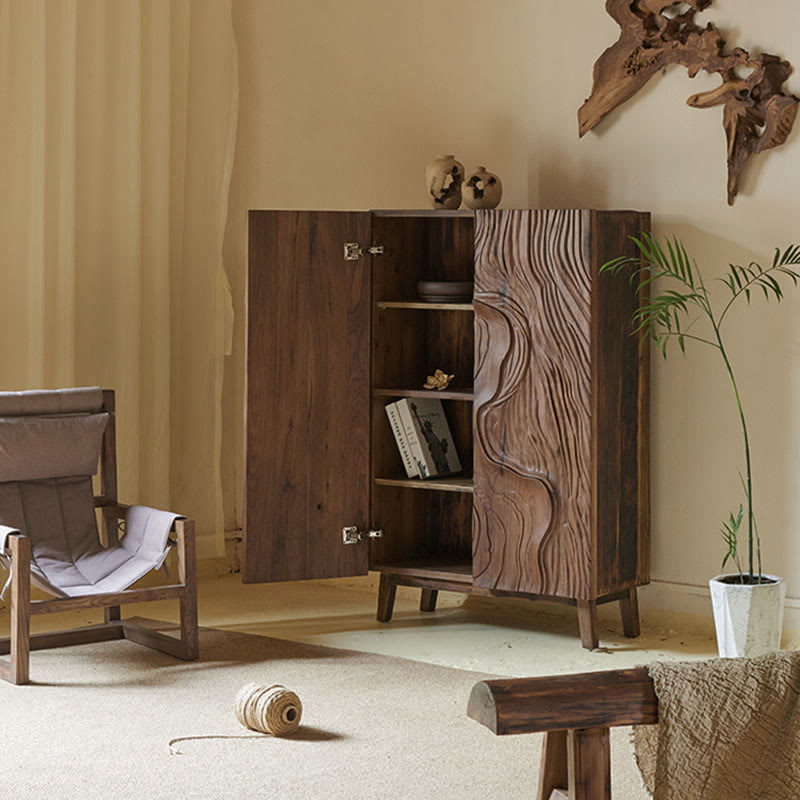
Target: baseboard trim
677,604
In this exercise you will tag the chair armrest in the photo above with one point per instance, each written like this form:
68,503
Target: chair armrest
118,510
563,702
5,533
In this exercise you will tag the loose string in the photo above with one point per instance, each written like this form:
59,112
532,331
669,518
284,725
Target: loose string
271,710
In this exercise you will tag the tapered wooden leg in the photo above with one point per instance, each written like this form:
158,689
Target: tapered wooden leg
629,606
553,775
428,600
387,590
589,764
187,574
587,620
20,608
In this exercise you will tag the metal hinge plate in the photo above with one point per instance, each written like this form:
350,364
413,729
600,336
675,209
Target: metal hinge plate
353,251
352,535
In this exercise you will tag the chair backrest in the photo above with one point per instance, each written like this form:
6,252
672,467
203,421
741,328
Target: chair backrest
51,434
50,445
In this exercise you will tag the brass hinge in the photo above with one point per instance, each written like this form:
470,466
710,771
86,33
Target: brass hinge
353,251
352,535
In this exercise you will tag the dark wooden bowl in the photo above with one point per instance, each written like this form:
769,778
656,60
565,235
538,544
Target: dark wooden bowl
445,291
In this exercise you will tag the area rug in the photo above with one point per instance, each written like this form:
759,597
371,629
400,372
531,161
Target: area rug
98,720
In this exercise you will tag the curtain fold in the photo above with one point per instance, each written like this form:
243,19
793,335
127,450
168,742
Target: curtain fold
117,139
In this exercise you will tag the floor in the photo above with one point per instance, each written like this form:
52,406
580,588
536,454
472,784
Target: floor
504,637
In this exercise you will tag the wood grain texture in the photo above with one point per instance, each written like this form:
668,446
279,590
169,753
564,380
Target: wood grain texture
560,702
757,114
629,609
307,395
587,624
170,592
387,590
187,575
620,412
108,485
427,601
408,345
553,773
532,449
105,632
20,607
589,764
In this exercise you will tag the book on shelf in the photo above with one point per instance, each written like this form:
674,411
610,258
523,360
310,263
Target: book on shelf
401,440
428,440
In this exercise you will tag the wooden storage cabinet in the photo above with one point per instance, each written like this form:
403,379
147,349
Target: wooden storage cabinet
548,409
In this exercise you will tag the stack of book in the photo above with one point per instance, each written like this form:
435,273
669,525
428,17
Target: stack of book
423,437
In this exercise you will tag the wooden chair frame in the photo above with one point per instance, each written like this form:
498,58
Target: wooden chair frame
576,713
21,642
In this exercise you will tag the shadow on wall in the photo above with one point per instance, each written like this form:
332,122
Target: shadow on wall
697,447
565,181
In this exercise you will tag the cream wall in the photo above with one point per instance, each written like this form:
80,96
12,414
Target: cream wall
343,103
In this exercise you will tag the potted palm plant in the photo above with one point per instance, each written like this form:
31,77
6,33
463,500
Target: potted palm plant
748,603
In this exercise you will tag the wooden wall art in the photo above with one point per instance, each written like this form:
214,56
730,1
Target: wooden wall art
757,115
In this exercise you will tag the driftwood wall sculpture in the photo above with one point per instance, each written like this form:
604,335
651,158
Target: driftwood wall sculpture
757,115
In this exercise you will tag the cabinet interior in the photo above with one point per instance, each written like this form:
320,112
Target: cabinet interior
427,524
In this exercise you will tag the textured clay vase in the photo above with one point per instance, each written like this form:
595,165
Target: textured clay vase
748,618
482,189
444,177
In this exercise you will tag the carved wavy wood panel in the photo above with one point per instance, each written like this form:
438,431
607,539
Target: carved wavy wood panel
531,518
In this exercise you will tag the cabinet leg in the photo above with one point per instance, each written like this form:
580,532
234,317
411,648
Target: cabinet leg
589,764
428,600
629,606
387,589
587,620
553,774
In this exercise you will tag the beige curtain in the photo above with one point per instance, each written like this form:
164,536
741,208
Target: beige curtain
118,123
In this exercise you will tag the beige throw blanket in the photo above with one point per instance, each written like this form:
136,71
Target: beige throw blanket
728,728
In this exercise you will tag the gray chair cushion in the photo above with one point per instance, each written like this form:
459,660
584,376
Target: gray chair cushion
49,448
67,558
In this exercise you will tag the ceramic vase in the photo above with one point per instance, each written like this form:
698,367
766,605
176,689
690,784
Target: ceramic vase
748,618
444,177
482,189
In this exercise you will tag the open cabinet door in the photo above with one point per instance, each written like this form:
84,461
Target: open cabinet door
307,395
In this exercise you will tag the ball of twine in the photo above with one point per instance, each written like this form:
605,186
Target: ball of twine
268,709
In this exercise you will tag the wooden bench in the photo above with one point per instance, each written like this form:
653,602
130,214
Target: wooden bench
575,712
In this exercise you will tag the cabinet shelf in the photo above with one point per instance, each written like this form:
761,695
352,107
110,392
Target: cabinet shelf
418,305
454,484
448,569
465,395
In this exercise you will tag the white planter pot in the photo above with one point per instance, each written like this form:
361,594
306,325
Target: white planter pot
748,619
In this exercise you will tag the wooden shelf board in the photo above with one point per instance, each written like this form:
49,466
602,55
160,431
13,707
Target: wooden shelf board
449,569
420,306
454,484
446,394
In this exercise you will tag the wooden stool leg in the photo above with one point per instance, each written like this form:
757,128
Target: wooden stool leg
553,775
587,620
589,764
387,589
20,608
428,600
629,606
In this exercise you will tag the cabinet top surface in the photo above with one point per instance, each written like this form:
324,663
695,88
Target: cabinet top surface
462,212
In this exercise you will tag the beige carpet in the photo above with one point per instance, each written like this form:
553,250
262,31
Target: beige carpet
97,722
